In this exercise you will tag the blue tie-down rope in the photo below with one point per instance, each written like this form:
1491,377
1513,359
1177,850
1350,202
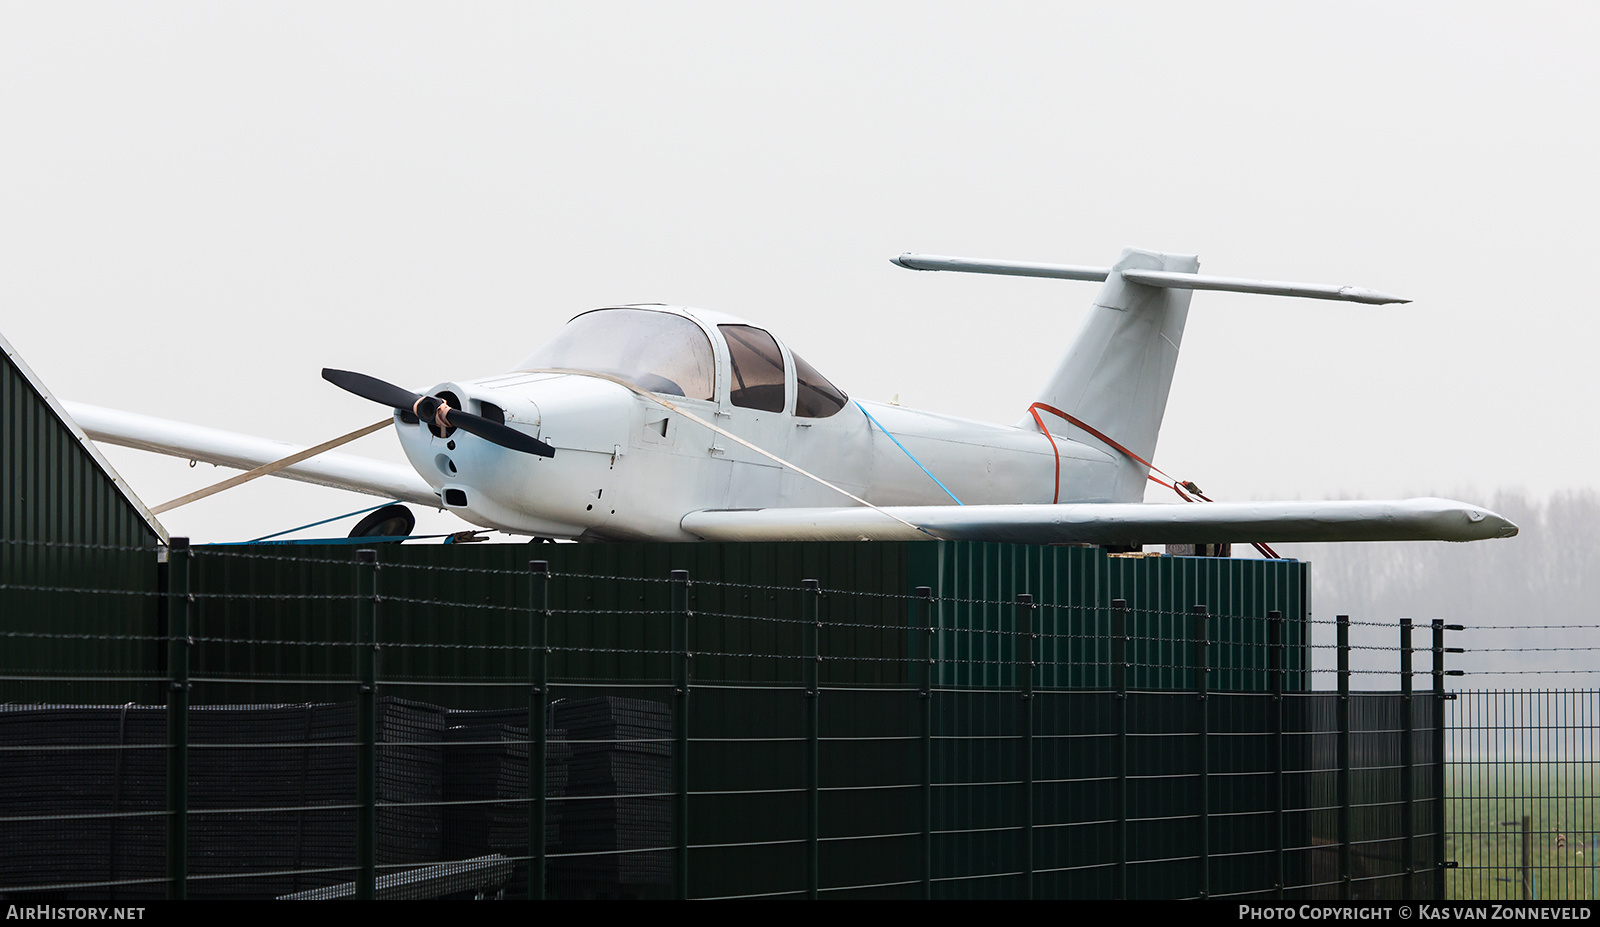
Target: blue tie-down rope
908,453
322,522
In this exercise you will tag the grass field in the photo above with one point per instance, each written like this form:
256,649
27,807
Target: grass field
1487,802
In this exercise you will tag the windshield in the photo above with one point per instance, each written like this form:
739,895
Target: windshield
657,351
814,397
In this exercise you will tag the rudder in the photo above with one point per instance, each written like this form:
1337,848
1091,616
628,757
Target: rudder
1117,373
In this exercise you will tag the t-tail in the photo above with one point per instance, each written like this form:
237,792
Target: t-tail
1110,389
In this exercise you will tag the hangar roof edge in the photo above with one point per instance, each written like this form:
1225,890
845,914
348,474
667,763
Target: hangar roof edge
84,440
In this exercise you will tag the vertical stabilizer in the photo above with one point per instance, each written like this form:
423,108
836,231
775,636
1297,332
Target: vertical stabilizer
1116,375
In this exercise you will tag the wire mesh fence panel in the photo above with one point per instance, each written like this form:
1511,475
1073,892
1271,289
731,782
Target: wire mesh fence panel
1522,795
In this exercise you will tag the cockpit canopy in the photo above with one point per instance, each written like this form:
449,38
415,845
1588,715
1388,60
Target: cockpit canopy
658,351
670,354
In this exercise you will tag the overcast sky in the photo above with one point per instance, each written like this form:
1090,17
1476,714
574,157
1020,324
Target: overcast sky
203,204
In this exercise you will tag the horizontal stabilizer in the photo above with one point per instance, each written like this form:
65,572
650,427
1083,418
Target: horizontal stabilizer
1158,278
1116,523
1006,268
1354,294
245,452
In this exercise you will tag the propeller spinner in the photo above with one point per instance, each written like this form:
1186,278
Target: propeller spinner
431,407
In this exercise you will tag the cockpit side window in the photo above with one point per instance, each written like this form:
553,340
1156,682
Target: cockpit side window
815,397
756,368
657,351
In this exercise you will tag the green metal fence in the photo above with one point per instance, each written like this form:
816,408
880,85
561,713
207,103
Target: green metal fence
1523,793
398,725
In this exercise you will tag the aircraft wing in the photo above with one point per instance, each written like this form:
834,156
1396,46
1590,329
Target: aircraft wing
245,452
1115,523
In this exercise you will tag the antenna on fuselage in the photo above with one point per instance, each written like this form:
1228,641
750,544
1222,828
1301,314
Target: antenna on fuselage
1156,278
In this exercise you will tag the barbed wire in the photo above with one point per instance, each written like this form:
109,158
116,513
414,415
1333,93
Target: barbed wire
382,597
524,573
1132,640
583,612
822,590
201,551
1394,625
1532,627
273,596
715,583
1528,650
1532,672
80,545
65,635
249,552
76,590
559,574
1096,611
700,613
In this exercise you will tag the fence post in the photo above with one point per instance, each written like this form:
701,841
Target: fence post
538,733
1344,758
1119,682
1439,721
1025,637
1275,672
178,600
1408,766
1439,758
680,732
810,632
922,681
1202,670
366,725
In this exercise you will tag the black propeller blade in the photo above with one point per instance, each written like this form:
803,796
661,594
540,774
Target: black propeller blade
371,388
427,407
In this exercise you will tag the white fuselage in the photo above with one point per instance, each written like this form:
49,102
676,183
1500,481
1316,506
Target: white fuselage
628,467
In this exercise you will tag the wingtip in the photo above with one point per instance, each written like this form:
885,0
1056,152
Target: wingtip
1491,524
1360,294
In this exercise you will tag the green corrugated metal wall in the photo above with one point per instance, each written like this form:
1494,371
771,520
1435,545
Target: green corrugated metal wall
459,612
51,489
67,535
977,584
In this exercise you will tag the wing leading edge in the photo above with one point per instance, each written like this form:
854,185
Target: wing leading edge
245,452
1117,523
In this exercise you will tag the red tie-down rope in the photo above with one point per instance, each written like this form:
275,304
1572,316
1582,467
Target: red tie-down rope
1186,489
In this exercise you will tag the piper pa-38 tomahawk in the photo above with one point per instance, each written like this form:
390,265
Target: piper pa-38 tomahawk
664,423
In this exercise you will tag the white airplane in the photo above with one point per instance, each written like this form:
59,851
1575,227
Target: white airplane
674,424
